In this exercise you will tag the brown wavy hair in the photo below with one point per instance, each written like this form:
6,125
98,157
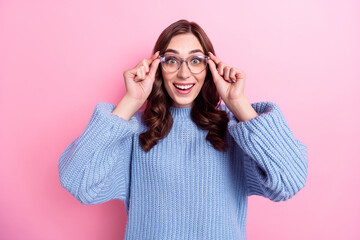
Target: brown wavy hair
204,112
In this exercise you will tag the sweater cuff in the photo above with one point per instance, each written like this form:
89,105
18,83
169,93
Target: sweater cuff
270,127
256,135
275,157
94,167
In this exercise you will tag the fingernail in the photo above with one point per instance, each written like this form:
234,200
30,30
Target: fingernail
211,53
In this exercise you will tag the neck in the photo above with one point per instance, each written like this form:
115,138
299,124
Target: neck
180,112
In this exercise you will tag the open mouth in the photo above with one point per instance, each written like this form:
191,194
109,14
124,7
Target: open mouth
184,87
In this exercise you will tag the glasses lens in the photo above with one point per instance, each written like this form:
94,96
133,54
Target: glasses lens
171,63
196,63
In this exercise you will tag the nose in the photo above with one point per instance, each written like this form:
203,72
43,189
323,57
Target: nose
184,71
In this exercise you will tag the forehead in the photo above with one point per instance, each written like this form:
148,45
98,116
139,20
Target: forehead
184,44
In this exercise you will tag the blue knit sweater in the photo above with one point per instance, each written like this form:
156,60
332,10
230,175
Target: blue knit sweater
183,188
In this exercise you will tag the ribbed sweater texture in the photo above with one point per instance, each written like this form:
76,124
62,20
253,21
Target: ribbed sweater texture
184,188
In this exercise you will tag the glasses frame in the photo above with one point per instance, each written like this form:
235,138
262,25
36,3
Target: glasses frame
162,59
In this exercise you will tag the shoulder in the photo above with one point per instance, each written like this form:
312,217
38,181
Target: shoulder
105,109
262,108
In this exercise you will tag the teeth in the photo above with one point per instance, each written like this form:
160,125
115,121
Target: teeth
184,86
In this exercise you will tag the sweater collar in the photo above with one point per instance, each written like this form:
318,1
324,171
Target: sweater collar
178,112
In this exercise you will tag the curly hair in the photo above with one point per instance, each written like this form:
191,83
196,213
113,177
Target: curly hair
204,112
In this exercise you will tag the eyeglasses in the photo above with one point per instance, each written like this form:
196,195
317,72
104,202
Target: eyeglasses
195,63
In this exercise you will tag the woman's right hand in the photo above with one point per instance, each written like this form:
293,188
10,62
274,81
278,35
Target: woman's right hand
139,80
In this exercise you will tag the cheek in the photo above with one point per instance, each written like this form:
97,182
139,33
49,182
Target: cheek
202,81
167,85
167,81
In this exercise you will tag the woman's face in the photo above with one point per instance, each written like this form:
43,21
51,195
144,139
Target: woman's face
183,45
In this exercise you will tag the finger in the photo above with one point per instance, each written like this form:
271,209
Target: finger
240,74
214,58
213,70
232,74
146,62
153,57
226,73
221,69
153,68
136,79
142,72
146,65
138,73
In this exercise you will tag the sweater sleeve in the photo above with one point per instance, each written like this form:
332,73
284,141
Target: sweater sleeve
95,167
275,163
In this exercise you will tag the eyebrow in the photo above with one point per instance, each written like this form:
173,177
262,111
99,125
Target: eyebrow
174,51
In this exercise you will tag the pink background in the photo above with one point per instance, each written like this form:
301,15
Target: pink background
59,58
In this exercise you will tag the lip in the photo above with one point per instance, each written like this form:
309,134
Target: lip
183,92
183,83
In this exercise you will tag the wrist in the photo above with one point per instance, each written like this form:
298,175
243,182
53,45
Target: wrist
242,109
133,102
127,107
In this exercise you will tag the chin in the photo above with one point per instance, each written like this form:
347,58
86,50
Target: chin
182,103
182,100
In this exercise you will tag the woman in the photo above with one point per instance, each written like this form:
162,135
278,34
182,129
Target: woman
184,166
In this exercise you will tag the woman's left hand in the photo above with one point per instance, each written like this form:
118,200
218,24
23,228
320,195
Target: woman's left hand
229,81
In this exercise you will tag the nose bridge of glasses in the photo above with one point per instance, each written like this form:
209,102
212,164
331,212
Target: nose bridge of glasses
182,60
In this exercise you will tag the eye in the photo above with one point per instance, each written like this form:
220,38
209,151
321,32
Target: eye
196,60
171,60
